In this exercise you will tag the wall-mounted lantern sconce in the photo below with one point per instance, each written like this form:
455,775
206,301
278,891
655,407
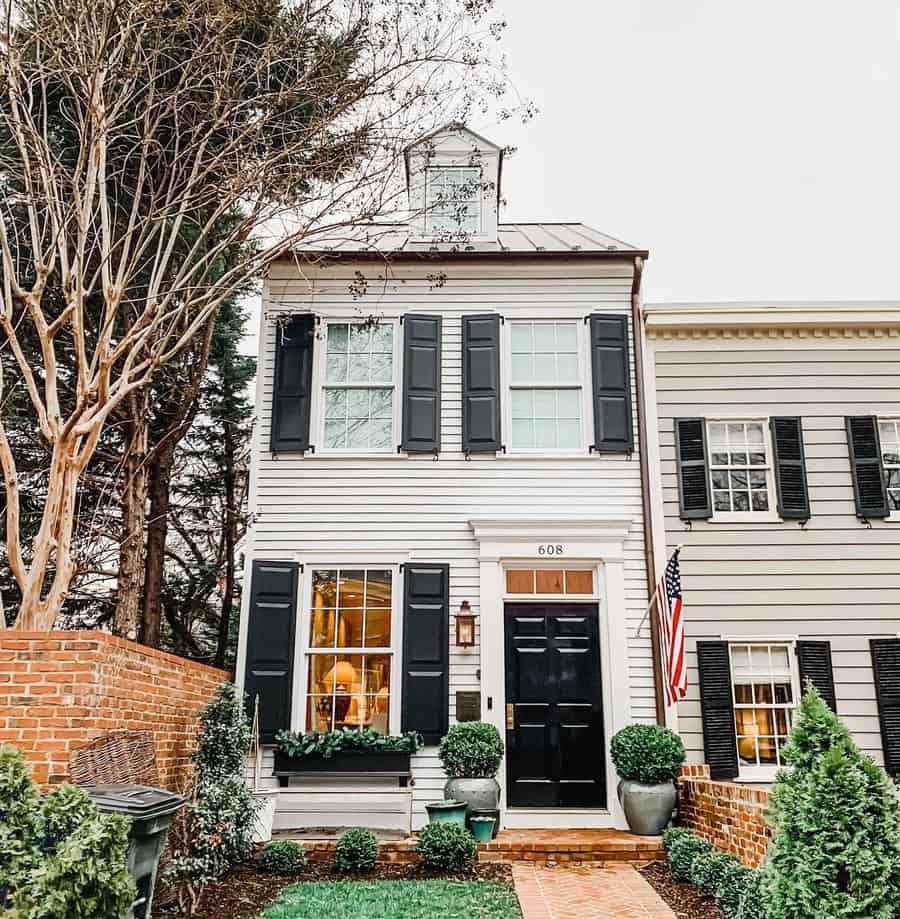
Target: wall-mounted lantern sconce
465,626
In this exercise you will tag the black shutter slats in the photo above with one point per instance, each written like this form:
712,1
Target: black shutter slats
694,495
421,383
611,379
886,664
426,649
481,383
865,462
292,386
790,468
814,659
717,708
270,644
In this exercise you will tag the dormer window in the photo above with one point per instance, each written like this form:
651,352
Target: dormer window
453,200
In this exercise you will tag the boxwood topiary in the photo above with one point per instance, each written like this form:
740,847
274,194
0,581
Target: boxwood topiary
682,852
471,750
647,753
738,894
671,836
447,847
283,857
708,869
356,851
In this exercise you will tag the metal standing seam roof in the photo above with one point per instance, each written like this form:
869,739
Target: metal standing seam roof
393,239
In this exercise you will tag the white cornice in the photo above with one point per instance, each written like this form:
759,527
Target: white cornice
574,528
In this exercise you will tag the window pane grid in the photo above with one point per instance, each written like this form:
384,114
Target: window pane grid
763,698
453,200
739,466
889,432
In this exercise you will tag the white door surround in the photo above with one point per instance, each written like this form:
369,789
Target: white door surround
595,540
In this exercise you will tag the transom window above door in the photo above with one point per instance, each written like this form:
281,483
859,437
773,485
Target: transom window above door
358,386
350,651
740,468
545,392
550,581
889,434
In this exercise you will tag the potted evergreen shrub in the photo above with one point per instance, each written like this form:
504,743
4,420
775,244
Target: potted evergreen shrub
471,753
648,759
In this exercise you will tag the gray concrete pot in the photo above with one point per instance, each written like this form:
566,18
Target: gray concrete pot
648,808
479,794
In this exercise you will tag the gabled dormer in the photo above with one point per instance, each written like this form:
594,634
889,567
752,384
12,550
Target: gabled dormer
453,181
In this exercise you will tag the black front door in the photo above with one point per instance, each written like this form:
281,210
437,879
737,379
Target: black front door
555,751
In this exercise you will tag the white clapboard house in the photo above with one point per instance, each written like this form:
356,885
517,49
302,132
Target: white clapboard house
449,428
777,467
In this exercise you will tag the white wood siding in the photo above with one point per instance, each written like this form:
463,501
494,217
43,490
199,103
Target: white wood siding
834,578
412,505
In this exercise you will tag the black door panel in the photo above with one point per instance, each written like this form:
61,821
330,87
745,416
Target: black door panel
555,749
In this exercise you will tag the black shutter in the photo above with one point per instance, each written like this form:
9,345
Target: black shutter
886,663
790,468
717,707
611,377
292,387
814,658
865,463
426,649
481,383
693,476
421,383
270,645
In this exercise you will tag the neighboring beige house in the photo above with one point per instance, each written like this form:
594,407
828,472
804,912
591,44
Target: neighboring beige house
777,467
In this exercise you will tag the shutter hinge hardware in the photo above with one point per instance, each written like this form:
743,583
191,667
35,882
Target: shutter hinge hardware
866,522
437,455
310,449
468,454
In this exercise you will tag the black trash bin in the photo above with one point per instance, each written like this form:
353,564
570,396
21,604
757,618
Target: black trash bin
151,811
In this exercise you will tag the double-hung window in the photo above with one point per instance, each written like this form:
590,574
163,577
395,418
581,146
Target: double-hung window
358,386
889,433
453,200
545,392
765,692
350,675
740,467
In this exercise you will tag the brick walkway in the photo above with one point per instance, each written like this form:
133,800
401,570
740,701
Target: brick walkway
613,891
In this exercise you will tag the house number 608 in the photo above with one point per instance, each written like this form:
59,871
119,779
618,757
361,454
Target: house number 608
550,549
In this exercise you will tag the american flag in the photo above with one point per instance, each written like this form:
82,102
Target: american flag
671,628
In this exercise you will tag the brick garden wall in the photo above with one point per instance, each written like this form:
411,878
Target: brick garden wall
730,816
59,690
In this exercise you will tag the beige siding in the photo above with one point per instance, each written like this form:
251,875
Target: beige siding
834,578
412,504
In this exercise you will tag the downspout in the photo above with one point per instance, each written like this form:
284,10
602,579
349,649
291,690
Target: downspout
637,339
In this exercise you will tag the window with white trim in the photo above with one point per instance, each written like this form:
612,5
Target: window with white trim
545,389
889,433
740,467
764,687
350,650
453,200
358,386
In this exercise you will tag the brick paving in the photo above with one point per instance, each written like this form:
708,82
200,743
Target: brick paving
614,891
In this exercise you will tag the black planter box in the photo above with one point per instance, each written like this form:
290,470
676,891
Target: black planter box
350,762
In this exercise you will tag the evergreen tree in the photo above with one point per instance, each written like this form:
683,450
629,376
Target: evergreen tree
836,820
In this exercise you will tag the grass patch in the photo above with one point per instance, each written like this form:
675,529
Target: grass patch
395,900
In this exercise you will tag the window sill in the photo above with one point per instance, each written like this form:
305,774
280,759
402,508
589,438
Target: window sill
755,775
746,517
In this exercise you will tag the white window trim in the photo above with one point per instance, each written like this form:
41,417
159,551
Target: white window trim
302,643
769,516
317,406
460,235
764,774
582,358
894,515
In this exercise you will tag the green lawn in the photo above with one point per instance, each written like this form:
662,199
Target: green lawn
395,900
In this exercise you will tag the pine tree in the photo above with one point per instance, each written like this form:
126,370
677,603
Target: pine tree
836,820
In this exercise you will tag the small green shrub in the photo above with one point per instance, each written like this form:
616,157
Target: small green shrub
708,869
647,753
738,893
671,836
447,847
356,851
283,857
682,852
471,750
19,819
325,744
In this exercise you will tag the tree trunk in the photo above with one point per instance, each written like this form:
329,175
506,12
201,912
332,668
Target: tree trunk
157,533
231,525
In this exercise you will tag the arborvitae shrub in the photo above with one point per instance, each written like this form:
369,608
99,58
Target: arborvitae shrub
836,821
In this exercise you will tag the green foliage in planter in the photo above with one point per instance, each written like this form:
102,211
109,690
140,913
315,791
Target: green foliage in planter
328,744
447,847
647,753
681,854
708,869
471,750
836,842
283,857
356,851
